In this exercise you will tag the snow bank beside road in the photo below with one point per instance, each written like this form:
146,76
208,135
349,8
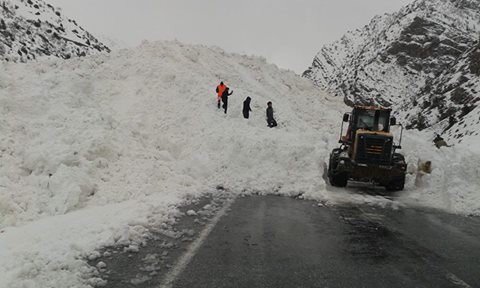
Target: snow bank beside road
453,185
50,252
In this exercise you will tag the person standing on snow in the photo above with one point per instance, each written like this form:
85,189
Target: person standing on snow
439,141
220,89
246,108
225,98
270,120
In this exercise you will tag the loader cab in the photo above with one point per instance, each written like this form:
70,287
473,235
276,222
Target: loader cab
368,139
373,119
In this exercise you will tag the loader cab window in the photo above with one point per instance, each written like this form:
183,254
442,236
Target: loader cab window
383,121
372,120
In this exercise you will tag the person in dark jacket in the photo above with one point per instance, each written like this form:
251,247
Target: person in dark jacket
439,141
270,120
225,98
246,108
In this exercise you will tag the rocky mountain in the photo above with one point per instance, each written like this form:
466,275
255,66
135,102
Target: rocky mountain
423,57
33,28
450,102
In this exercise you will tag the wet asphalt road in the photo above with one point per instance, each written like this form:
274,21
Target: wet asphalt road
282,242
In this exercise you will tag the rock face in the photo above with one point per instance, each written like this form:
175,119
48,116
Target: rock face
450,102
33,28
424,57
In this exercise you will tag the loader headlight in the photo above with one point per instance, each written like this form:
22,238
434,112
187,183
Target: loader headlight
342,162
344,155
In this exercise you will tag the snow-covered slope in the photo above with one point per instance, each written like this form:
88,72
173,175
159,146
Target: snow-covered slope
397,58
97,150
33,28
108,129
393,56
450,102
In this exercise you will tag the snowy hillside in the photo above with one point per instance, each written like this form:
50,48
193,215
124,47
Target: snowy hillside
450,102
97,150
396,59
33,28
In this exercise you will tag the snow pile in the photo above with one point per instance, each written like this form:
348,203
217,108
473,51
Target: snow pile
453,185
96,150
99,140
109,129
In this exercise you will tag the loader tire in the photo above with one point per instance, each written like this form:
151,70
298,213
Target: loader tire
396,185
339,180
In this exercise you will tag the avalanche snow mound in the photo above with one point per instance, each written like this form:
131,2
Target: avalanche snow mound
106,129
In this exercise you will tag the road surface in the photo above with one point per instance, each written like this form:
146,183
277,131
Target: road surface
268,241
282,242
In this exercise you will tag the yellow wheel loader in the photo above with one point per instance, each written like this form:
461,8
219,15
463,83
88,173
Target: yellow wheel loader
368,151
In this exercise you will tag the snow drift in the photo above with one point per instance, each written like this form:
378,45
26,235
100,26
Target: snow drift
96,150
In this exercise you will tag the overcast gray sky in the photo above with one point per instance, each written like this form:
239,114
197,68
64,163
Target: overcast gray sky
287,32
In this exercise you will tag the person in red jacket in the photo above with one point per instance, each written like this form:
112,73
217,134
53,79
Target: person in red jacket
220,89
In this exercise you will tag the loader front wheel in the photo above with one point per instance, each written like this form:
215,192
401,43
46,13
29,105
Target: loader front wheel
339,180
396,185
